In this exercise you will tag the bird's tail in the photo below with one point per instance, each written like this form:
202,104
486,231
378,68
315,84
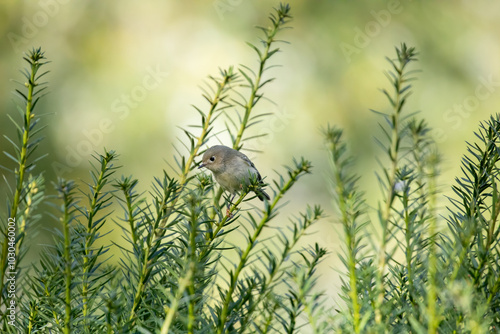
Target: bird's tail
261,194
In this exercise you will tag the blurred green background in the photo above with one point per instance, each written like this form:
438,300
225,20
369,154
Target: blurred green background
125,74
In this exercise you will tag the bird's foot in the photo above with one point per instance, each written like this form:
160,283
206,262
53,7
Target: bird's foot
229,214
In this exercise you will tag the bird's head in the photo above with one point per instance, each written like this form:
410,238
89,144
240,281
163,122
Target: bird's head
213,159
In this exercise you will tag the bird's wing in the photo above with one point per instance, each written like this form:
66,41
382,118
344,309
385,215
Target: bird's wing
250,163
245,158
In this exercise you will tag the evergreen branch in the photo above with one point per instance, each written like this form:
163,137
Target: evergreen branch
220,95
474,226
169,188
351,206
127,186
304,279
283,17
35,60
300,228
35,194
426,160
171,311
398,79
98,201
278,21
66,191
301,168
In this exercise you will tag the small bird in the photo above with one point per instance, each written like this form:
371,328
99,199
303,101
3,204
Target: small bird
232,170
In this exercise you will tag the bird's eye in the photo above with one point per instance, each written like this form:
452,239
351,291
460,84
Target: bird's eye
212,158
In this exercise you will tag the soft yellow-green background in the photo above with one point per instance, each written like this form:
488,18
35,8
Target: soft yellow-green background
331,71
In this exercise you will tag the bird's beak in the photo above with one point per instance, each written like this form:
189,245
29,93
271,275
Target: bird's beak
201,165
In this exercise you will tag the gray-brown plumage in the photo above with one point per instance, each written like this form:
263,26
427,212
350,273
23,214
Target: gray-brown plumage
232,169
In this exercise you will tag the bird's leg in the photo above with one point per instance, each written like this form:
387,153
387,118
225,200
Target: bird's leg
228,212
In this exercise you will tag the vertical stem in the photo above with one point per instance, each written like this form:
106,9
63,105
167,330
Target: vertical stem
348,222
409,229
66,188
192,267
256,85
228,76
495,207
218,97
183,283
246,253
31,189
131,218
95,206
356,308
151,242
386,214
279,21
269,319
432,270
241,265
405,55
87,248
31,318
23,156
